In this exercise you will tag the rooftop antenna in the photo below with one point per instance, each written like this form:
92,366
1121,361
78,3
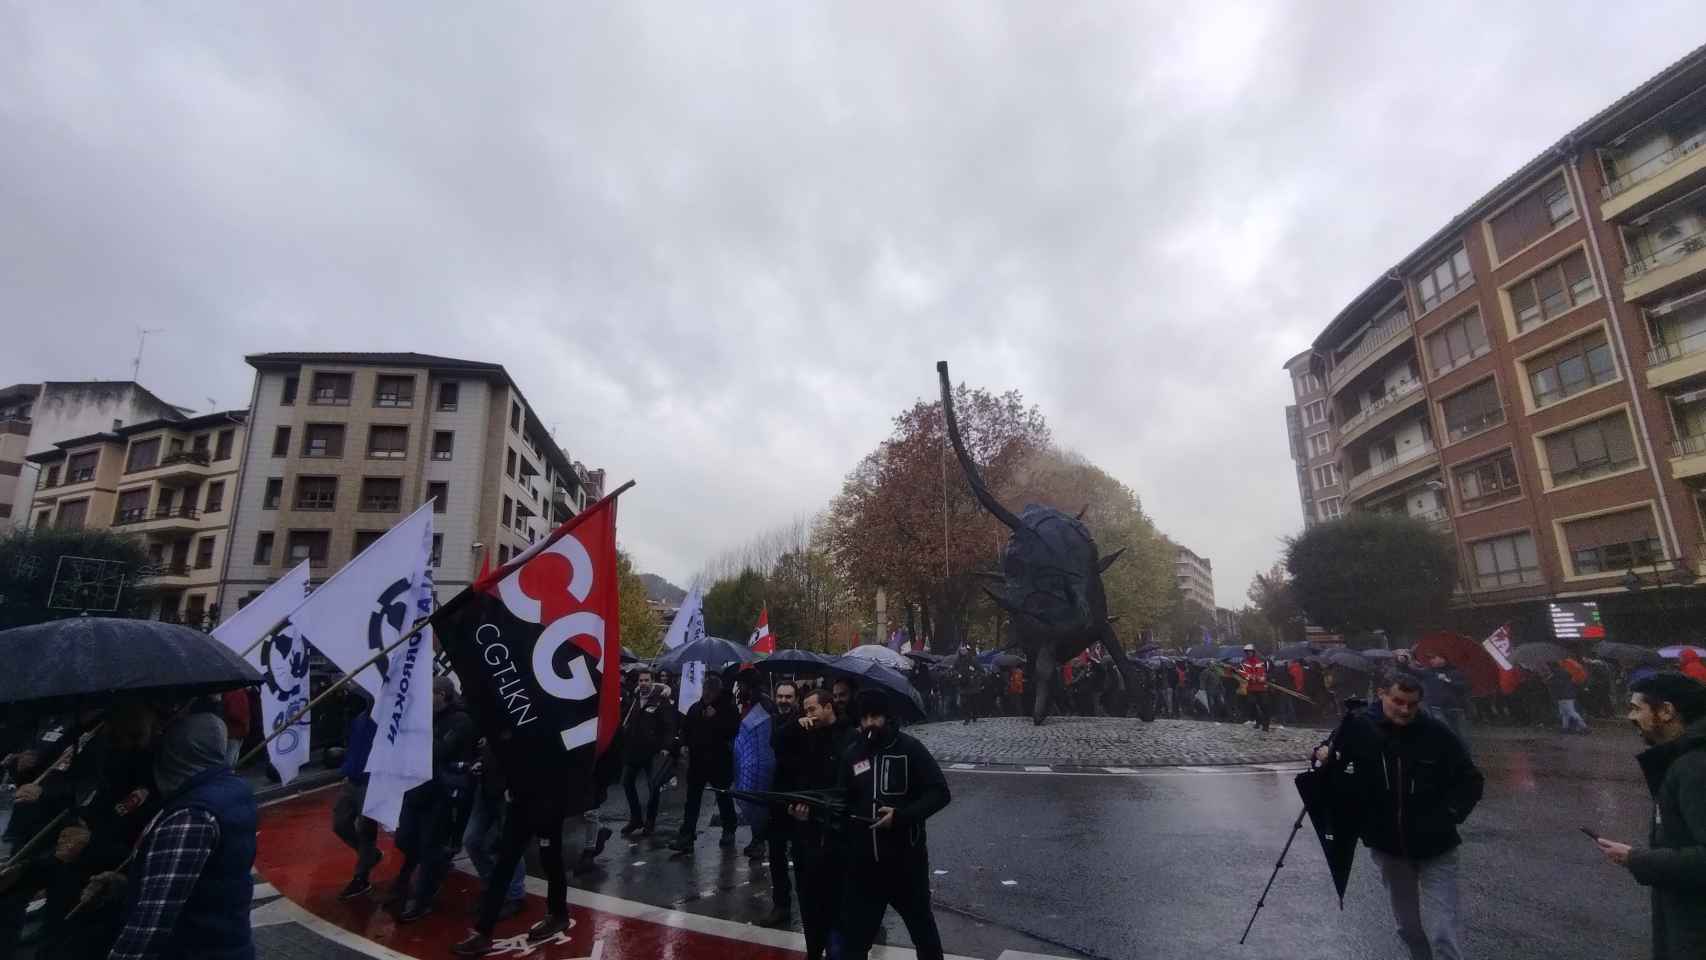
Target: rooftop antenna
141,338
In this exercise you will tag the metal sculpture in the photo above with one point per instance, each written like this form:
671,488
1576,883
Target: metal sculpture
1051,584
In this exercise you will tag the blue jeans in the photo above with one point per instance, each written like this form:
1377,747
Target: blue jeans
1568,717
485,827
1424,903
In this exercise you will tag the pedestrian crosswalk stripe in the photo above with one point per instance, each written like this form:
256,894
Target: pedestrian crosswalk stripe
1204,769
1294,767
962,766
1039,769
1120,769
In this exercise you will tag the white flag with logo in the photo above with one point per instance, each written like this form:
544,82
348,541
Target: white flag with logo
1498,644
402,746
692,684
689,622
370,603
283,663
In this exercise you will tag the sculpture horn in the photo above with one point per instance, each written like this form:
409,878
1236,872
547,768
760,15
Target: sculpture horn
982,492
1108,560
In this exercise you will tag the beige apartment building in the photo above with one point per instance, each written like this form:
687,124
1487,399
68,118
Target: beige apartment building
1195,577
344,445
1531,379
170,483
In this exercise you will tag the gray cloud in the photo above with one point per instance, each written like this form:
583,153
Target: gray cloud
720,246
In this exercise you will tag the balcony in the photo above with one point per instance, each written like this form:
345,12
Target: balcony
1411,463
1665,267
1439,517
169,520
1688,457
1636,189
1375,344
185,466
1675,360
1380,411
170,575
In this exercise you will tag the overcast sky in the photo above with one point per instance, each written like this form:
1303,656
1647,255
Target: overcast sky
721,245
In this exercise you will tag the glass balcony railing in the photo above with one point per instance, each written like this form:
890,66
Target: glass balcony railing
1668,349
1666,255
1655,166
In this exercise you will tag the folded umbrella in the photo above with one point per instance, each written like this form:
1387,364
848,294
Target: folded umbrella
57,663
869,674
1335,815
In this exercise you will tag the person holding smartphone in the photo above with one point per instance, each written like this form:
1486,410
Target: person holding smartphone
1669,712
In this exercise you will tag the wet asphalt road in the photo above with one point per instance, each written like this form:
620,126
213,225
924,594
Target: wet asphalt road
1168,864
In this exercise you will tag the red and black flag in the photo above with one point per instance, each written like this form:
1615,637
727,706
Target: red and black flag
537,644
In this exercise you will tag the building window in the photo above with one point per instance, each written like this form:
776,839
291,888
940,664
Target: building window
1458,342
393,391
443,443
323,440
508,511
1472,411
222,448
332,388
1320,444
81,466
1314,412
381,494
1326,475
387,443
43,519
1570,369
263,548
1331,508
509,463
287,396
198,443
316,493
1306,384
132,507
72,514
281,442
143,454
515,416
309,545
503,555
204,553
1539,212
365,539
52,476
437,558
195,606
448,394
1508,561
1551,291
215,497
275,493
1590,450
247,598
1614,542
1444,279
1488,481
439,494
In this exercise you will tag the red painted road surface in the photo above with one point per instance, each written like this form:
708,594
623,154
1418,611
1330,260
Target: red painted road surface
299,855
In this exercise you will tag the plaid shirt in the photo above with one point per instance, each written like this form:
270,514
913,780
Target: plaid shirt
173,855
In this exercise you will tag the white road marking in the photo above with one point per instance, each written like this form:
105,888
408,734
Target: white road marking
962,766
265,891
1039,769
1120,769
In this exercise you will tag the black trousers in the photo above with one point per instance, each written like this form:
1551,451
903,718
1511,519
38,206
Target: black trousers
696,784
427,836
631,773
776,835
356,831
518,829
874,887
820,875
1258,703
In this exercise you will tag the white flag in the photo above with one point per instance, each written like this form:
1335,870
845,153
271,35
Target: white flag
1498,643
283,663
402,746
370,603
689,622
692,684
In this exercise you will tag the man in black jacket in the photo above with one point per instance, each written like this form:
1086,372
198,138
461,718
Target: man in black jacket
426,830
776,830
1669,710
708,732
648,731
1415,781
889,776
807,758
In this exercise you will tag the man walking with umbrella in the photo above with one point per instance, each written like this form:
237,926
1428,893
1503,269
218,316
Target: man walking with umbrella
1415,783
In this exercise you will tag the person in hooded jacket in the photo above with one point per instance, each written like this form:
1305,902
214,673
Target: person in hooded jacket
426,831
890,777
708,732
1415,781
648,730
1669,711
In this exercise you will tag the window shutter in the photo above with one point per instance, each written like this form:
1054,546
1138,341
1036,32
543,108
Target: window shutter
1560,454
1629,526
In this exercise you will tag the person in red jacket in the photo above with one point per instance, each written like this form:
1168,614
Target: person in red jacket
1692,666
238,720
1253,684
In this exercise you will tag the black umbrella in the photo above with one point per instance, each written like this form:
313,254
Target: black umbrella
55,663
1537,654
1346,660
714,652
1203,651
629,656
870,674
1294,651
791,661
1337,820
1627,654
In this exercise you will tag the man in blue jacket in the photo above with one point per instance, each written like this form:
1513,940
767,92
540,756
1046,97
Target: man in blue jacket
1415,782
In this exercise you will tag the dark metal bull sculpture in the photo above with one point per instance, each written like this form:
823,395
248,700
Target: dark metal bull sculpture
1051,585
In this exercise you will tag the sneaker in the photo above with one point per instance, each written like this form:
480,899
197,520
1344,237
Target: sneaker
413,911
547,928
475,945
357,887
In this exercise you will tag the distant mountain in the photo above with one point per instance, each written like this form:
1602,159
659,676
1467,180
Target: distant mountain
661,590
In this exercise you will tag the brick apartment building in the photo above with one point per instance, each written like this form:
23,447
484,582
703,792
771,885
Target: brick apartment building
344,445
171,483
1532,378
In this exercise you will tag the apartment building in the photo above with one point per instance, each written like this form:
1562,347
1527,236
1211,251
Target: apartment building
1532,377
344,445
35,416
1195,576
170,483
1314,444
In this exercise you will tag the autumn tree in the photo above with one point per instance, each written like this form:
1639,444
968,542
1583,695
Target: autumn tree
732,604
642,628
1271,596
906,520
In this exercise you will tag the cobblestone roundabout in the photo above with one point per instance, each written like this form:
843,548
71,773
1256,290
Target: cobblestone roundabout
1111,741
